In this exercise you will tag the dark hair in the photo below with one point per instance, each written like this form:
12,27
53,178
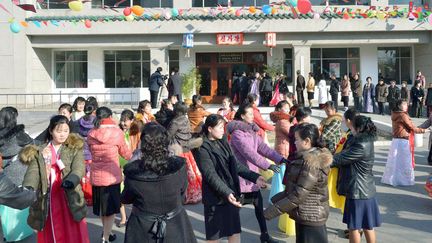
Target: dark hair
164,104
251,98
54,122
368,78
212,121
280,104
399,102
154,148
126,115
350,114
8,117
230,102
302,112
180,109
242,110
363,124
159,69
308,130
90,106
76,101
330,104
195,100
66,106
102,113
416,82
141,105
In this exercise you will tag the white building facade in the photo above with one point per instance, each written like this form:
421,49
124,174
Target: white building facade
57,53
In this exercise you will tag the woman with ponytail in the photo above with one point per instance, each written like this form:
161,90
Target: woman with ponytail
106,142
361,207
305,197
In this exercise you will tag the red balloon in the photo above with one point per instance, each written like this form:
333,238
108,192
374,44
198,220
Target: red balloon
127,11
304,6
88,23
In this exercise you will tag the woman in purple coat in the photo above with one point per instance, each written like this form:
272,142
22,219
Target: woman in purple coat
250,150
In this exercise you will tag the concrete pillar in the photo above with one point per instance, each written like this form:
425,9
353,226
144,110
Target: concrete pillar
301,58
41,71
159,58
369,63
422,56
96,67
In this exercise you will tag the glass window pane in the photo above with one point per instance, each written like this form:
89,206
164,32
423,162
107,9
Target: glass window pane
206,81
215,3
146,55
60,56
318,2
110,78
353,67
315,67
60,75
241,3
405,52
288,53
145,73
149,3
406,72
336,67
109,56
262,2
288,71
387,52
364,2
76,56
203,58
334,52
57,4
109,3
76,75
129,73
388,66
166,3
173,55
353,52
342,2
197,3
404,2
173,65
128,55
315,52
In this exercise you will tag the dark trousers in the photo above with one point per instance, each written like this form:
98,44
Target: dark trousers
392,105
345,100
310,234
381,108
235,96
255,198
154,98
357,104
334,98
300,97
416,109
266,97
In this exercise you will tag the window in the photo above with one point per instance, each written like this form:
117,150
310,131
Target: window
341,2
110,3
53,4
173,56
394,63
224,3
288,63
337,61
405,2
70,69
127,69
130,3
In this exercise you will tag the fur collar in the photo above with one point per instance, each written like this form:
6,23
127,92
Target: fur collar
134,171
243,126
317,158
330,119
276,116
30,152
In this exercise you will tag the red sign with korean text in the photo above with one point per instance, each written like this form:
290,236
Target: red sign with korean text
229,39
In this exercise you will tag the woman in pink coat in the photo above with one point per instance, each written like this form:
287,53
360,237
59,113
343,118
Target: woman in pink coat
250,150
106,142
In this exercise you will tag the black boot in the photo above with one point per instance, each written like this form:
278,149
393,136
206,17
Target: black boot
266,238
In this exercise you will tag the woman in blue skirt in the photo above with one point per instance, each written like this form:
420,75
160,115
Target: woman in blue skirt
361,207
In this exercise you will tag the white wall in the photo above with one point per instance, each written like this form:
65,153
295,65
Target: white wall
369,63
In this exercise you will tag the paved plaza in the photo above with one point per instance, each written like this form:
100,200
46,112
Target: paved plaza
406,211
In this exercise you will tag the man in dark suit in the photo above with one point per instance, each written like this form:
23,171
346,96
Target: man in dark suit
175,84
301,83
156,81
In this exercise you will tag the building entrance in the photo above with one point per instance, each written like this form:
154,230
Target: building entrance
217,71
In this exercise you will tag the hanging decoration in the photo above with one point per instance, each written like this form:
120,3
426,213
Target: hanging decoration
188,42
270,41
76,5
304,6
15,27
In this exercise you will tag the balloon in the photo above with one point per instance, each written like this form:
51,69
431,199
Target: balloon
88,23
238,12
137,10
174,12
15,27
381,15
127,11
346,16
293,3
274,11
266,9
167,15
316,16
24,24
304,6
252,9
411,16
129,18
76,6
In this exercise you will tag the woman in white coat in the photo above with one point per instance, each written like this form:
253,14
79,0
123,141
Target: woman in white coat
322,92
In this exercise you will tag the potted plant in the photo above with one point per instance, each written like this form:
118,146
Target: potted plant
191,83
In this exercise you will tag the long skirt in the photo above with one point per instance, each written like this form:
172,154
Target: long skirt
194,189
399,169
14,223
335,200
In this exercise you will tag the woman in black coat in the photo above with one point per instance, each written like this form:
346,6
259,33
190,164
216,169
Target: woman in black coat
221,187
155,185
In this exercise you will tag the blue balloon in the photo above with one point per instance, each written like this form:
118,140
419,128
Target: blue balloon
266,9
174,12
15,27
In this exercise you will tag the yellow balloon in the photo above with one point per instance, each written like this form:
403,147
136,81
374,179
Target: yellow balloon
76,6
129,18
381,15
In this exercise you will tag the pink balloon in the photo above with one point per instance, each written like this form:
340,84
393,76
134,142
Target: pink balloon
127,11
88,23
304,6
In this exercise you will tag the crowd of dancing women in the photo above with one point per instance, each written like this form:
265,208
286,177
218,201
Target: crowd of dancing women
184,154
